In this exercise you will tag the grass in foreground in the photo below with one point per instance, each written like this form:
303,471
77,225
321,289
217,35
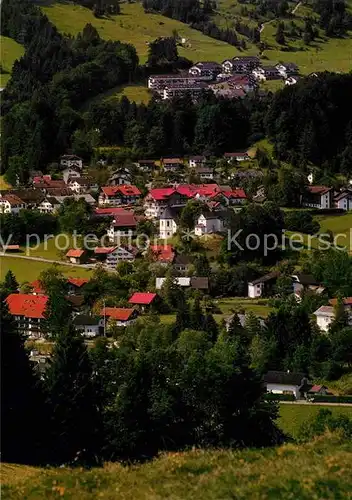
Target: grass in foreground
314,471
10,51
26,270
134,26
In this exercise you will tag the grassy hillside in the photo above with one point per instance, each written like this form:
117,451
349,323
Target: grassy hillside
315,471
10,51
134,26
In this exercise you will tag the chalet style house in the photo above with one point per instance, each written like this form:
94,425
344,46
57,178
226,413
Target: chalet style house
28,313
119,195
318,197
67,161
208,70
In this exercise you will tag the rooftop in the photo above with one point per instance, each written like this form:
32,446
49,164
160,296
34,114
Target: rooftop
27,305
143,298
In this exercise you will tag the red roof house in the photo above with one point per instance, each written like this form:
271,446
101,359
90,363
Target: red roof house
142,298
163,253
76,255
119,195
28,311
119,314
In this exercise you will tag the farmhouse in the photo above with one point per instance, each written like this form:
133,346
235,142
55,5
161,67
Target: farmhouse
171,164
119,315
76,256
232,157
196,161
71,161
205,173
49,205
79,184
263,285
289,383
111,256
123,225
11,204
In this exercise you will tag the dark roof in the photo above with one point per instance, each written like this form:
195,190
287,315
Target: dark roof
182,260
170,213
204,170
85,319
266,277
291,378
208,64
306,279
200,283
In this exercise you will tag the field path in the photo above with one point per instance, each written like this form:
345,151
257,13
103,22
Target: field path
49,261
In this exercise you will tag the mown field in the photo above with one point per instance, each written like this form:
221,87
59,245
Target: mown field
134,26
29,270
9,51
313,471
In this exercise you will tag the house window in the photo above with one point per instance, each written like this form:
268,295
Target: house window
168,223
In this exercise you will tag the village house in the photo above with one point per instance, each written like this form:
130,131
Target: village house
88,326
171,164
288,383
49,205
209,222
262,286
41,179
159,198
305,284
75,285
143,300
123,225
343,200
196,161
28,313
208,70
163,254
318,197
182,263
120,316
158,83
71,173
11,204
76,256
111,256
194,282
146,165
240,156
46,185
68,161
325,315
121,176
119,195
31,198
79,185
168,222
205,173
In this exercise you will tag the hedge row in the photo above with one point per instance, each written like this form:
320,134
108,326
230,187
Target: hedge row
332,399
279,397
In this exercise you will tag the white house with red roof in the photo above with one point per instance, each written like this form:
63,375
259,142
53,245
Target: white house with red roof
318,197
11,204
121,316
28,312
119,195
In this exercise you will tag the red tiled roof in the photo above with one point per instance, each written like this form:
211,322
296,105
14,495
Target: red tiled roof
77,281
11,247
125,219
36,287
163,253
118,313
30,306
123,189
142,298
39,179
236,193
12,199
316,388
161,193
172,160
111,211
75,253
104,250
318,189
347,301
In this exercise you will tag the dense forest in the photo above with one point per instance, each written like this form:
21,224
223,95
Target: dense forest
51,81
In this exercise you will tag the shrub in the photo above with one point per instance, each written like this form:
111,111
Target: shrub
279,397
326,421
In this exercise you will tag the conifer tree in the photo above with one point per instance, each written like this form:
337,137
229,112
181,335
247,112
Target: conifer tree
210,327
182,315
73,402
196,315
10,284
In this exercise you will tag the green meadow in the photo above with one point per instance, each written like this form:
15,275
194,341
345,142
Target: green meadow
10,51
